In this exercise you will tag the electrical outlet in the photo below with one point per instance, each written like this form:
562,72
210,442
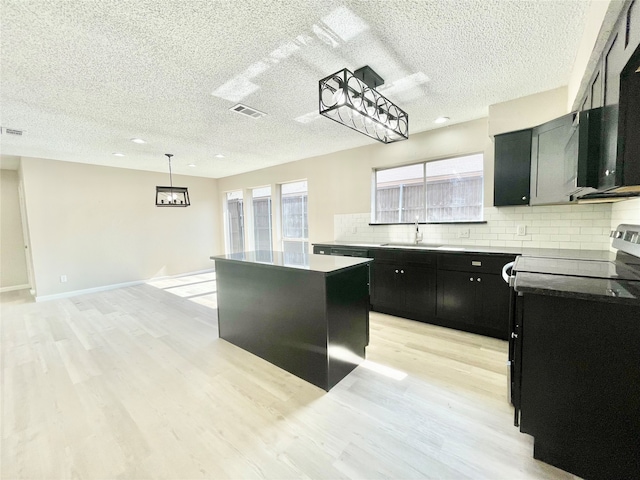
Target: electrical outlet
521,230
463,233
63,279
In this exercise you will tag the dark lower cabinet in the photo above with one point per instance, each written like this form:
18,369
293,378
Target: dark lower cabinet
479,301
456,296
457,290
580,384
407,290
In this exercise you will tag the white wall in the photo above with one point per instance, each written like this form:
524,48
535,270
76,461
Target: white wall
340,188
99,226
627,211
527,112
13,266
340,183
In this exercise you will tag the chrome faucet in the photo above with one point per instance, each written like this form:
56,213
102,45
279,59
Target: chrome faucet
418,237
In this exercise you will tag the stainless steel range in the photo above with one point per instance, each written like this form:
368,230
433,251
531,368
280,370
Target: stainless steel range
574,357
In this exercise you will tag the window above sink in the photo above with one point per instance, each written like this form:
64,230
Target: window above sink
439,191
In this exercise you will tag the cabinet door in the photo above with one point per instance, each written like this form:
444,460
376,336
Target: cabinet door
385,291
456,296
629,142
512,171
612,63
551,181
419,284
492,298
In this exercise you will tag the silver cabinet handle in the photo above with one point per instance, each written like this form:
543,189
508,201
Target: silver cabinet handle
401,271
396,271
471,279
478,279
524,198
514,335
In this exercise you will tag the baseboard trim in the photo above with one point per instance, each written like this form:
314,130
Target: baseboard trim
13,288
103,288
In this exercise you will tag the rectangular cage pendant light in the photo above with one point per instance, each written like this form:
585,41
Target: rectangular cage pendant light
351,99
172,196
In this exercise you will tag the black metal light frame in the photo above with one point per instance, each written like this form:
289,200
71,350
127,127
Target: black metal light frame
172,196
352,100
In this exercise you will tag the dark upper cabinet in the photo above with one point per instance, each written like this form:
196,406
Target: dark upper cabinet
611,64
565,157
613,85
629,126
553,168
512,172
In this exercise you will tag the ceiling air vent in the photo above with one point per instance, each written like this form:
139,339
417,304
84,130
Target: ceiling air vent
12,131
248,111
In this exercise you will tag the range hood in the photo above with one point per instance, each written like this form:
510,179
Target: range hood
615,194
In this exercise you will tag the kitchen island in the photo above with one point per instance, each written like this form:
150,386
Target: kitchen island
307,314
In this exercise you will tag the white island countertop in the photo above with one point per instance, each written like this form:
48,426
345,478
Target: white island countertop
317,263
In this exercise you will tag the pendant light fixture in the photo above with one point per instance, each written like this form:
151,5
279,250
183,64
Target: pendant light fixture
352,99
172,196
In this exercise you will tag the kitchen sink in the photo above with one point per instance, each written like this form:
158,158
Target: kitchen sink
426,246
412,245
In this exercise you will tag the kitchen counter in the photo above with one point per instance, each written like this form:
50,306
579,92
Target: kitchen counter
317,263
484,249
593,289
308,315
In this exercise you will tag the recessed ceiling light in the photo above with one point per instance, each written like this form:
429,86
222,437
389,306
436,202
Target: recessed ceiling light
138,140
192,164
219,155
119,154
441,120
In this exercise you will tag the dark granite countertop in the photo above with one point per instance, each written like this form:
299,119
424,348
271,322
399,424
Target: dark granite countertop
595,289
317,263
485,249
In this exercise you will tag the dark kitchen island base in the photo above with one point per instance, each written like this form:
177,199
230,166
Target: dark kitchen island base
309,318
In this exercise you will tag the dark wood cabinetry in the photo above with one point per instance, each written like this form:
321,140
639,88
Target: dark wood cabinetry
553,166
404,283
629,127
580,392
472,292
457,290
608,87
512,172
341,251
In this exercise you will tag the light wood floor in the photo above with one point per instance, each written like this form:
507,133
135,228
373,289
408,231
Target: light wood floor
134,383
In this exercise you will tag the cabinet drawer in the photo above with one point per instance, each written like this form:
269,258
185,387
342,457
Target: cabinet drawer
349,252
473,263
403,257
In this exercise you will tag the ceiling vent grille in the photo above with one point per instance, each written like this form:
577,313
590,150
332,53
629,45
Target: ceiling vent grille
12,131
247,111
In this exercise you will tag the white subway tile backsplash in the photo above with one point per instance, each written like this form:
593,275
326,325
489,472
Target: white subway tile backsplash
550,226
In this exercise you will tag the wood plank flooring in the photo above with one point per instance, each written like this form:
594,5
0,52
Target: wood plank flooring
134,383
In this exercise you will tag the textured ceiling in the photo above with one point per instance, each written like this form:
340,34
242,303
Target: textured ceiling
84,77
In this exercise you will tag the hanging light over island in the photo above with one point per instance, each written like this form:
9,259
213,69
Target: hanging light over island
352,100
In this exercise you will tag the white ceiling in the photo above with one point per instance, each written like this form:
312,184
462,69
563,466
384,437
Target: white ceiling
84,77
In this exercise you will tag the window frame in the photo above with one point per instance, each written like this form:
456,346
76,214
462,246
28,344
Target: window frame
229,244
374,189
303,241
